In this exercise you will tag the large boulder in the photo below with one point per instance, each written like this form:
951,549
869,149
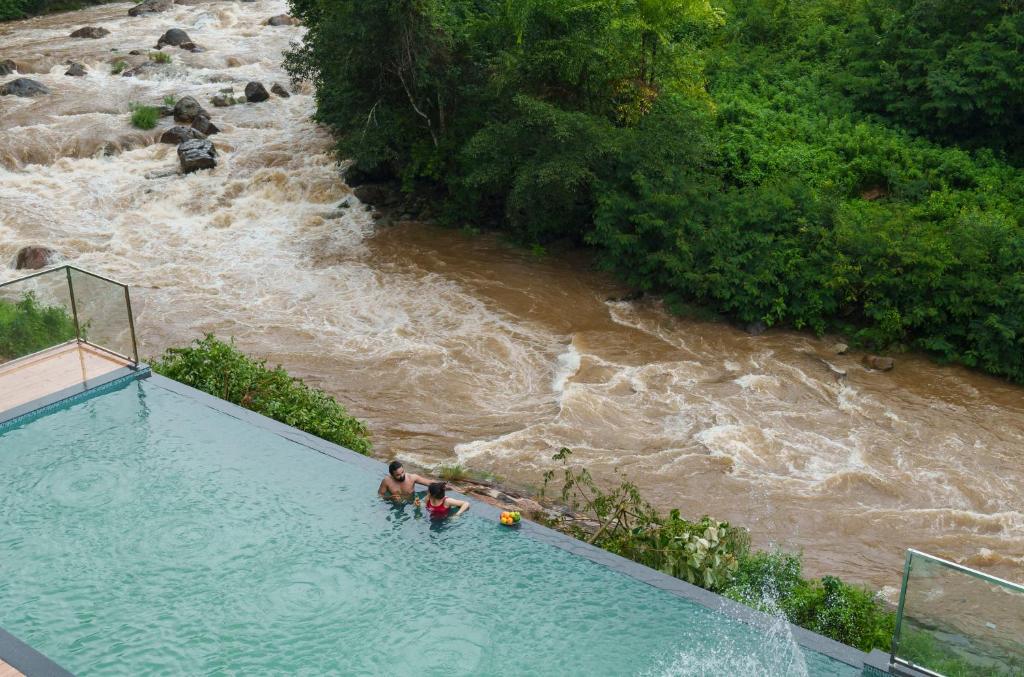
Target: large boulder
93,32
202,124
282,20
150,7
879,363
280,91
23,87
75,70
177,135
34,257
7,67
175,37
197,154
256,92
186,109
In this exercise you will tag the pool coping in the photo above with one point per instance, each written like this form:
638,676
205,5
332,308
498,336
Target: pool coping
705,598
27,660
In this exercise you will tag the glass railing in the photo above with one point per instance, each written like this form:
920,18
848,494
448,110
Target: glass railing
954,621
65,305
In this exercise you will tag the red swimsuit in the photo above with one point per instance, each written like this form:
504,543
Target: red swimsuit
437,510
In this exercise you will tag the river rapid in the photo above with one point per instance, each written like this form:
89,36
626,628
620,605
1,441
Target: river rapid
456,347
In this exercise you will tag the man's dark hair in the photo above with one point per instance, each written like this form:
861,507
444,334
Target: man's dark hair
393,466
436,489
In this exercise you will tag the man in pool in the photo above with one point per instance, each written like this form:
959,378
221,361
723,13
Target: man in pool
400,484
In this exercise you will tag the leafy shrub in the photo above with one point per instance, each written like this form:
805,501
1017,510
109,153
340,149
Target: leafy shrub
118,66
169,100
144,117
27,326
220,369
452,473
773,582
705,553
160,57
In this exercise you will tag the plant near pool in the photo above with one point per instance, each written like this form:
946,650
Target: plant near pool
706,552
144,117
27,326
220,369
160,57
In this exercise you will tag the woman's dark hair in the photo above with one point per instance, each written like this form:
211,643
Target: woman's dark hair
393,466
436,489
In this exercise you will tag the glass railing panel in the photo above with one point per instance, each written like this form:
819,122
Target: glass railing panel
958,622
103,313
35,314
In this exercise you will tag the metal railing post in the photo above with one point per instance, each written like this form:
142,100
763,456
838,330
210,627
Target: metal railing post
74,306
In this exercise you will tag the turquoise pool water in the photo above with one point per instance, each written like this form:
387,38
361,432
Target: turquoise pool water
142,532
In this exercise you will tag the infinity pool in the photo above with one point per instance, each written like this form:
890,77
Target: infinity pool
143,532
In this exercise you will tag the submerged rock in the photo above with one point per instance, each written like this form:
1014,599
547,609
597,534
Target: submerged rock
879,363
175,37
7,67
755,328
840,348
178,134
186,109
150,7
203,124
280,91
376,194
256,92
281,20
197,154
34,257
76,70
93,32
23,87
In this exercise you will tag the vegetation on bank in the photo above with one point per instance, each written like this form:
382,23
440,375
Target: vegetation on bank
716,556
144,117
28,326
220,369
836,166
19,9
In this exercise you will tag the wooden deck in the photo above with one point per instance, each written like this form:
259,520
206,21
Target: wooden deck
50,371
7,671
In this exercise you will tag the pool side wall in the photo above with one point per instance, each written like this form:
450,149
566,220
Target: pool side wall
805,638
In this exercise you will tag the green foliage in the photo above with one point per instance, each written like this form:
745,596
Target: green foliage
27,326
733,159
921,647
169,100
144,117
705,553
220,369
773,582
118,66
160,57
18,9
452,473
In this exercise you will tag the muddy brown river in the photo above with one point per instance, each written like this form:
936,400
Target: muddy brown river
461,348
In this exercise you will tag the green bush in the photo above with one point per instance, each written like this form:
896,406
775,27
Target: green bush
118,66
773,582
160,57
144,117
169,100
220,369
27,326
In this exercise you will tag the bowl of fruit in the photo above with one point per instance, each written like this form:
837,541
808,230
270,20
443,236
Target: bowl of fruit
511,518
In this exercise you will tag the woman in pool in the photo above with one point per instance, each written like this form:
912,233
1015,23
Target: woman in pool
438,504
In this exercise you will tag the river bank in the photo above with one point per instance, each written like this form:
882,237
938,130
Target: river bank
460,348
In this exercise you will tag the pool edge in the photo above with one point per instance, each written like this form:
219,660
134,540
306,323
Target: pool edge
705,598
27,660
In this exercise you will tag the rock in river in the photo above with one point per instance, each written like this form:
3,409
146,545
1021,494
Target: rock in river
186,109
150,7
178,134
197,154
75,70
34,257
23,87
93,32
256,92
280,91
175,37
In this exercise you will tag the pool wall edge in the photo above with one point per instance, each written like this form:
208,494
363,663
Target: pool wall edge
27,660
715,602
